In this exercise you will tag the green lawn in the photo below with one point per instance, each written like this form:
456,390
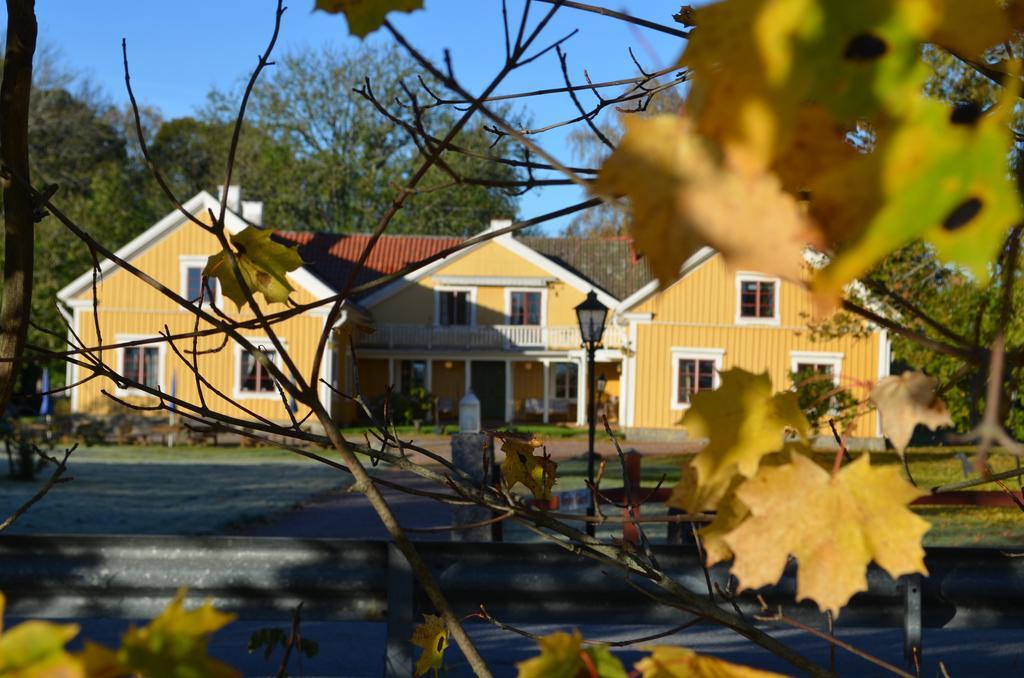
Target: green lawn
182,453
951,526
543,431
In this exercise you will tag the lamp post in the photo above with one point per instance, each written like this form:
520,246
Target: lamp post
591,315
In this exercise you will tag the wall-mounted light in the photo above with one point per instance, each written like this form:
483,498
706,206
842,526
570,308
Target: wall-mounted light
448,364
528,366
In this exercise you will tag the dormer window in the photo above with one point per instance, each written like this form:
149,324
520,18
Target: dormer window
192,281
194,284
757,299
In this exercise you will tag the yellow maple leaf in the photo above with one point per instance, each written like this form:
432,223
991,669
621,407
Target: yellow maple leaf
684,195
690,497
834,527
562,656
432,637
905,401
720,497
36,648
523,465
731,513
679,662
264,265
740,57
366,16
743,421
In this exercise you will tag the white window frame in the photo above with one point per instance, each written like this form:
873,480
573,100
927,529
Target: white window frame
258,342
835,360
743,277
683,353
543,304
553,393
187,261
471,300
161,348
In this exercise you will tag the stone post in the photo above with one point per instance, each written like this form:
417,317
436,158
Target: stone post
473,453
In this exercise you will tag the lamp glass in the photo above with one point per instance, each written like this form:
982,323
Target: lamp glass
591,315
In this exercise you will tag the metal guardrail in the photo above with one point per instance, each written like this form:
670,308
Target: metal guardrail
265,578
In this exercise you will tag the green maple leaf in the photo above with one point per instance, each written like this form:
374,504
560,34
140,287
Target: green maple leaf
562,656
263,263
366,16
941,174
864,57
174,645
36,648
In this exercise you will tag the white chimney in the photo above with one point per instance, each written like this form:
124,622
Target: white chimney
252,211
234,196
497,224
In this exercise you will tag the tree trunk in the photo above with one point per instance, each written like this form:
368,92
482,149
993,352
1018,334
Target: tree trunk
19,226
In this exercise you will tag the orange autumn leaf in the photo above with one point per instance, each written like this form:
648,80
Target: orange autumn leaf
685,195
681,662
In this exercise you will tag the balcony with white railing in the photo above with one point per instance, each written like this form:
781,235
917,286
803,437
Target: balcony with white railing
484,337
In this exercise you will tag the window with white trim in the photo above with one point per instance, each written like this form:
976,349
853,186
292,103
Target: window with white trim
454,307
817,363
757,299
566,380
694,371
194,285
815,377
141,364
525,307
254,377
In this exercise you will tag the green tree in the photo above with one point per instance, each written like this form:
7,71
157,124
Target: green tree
322,158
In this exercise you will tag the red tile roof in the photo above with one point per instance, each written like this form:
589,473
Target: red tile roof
331,256
608,263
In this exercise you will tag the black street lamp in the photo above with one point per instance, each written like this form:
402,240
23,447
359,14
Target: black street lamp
591,314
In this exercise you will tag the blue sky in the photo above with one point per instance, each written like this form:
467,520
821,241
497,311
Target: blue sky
179,50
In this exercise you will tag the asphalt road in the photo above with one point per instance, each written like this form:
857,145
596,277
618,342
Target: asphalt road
356,649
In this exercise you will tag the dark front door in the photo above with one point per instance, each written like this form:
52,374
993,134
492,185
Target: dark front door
488,380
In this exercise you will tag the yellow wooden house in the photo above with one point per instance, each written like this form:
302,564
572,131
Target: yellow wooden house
496,318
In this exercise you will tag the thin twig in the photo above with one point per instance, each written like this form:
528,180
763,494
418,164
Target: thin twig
55,478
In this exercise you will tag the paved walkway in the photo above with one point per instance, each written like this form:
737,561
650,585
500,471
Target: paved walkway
348,515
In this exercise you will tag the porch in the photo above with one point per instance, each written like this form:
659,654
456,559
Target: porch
510,390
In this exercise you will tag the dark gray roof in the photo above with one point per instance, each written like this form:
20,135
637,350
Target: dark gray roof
609,263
